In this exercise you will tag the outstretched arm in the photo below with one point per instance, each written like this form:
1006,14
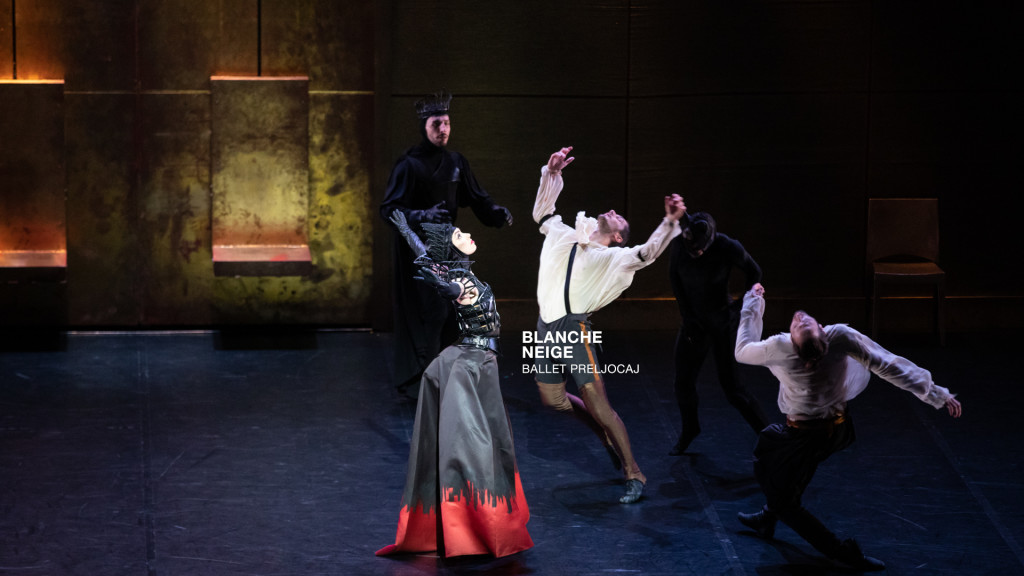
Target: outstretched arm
749,347
666,231
430,272
551,183
402,225
901,372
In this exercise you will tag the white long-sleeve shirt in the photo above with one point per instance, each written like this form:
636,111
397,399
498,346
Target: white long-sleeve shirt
842,374
599,273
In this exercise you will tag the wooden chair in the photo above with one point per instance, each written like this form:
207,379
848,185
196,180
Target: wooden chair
903,248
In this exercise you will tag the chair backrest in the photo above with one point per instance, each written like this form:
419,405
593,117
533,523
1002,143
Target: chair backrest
903,227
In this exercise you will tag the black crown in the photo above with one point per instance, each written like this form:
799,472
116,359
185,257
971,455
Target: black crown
434,105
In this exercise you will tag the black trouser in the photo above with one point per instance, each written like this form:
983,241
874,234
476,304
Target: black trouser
785,460
691,350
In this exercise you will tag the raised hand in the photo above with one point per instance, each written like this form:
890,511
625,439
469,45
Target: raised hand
674,207
414,242
560,159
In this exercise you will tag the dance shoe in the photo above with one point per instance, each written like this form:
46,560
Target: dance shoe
683,443
634,489
850,554
763,522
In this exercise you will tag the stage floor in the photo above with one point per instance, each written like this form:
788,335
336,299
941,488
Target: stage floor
228,454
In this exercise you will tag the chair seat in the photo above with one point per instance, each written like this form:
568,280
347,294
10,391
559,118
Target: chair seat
903,248
907,270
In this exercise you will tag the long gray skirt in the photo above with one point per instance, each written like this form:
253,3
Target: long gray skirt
462,493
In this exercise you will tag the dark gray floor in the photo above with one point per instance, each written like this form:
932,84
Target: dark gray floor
208,454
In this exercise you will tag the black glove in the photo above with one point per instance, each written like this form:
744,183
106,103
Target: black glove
398,219
436,214
508,215
445,289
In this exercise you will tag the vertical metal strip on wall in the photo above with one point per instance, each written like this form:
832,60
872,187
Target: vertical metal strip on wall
14,38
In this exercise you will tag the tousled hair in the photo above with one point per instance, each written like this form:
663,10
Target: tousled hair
811,350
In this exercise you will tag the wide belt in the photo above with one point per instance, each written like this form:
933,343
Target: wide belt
818,423
482,342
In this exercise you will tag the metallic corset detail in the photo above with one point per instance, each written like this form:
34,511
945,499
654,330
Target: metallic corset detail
480,318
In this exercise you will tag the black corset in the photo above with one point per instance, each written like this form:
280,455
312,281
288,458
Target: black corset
480,318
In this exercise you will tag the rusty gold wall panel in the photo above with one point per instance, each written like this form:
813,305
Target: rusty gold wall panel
262,300
99,43
175,270
342,217
260,160
235,50
342,211
103,248
182,42
332,42
32,182
41,40
6,42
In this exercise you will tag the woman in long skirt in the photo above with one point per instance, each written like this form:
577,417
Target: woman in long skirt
463,495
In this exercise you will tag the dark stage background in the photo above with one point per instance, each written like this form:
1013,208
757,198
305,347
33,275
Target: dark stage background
781,118
155,418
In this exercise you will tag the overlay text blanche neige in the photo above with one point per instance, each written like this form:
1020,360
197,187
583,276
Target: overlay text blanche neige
559,346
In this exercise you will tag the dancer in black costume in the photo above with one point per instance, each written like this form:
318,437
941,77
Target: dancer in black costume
429,183
463,494
700,262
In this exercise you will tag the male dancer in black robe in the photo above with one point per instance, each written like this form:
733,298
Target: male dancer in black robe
699,267
429,183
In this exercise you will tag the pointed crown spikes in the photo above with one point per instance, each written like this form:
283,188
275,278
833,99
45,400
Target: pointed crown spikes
436,104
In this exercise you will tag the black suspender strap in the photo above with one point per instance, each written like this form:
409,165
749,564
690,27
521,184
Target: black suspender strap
568,275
